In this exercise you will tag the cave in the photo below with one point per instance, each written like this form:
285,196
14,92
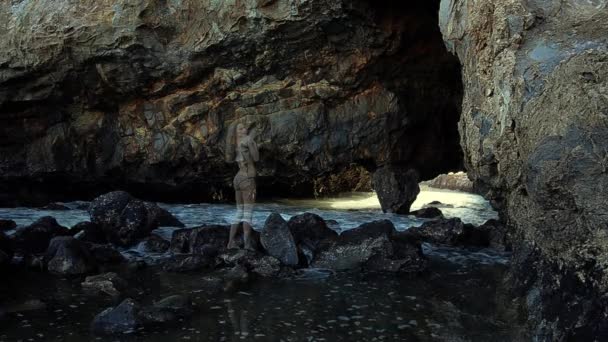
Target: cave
368,86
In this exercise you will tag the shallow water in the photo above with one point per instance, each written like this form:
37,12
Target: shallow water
458,299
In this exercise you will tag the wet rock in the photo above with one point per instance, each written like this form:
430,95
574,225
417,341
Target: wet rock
197,240
333,225
277,240
452,181
109,283
88,231
397,188
444,231
35,238
105,254
188,263
6,247
353,248
437,204
265,266
122,319
68,256
7,225
310,229
125,220
55,206
430,213
498,235
156,244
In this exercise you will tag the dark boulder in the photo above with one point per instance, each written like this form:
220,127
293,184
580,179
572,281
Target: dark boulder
396,187
88,231
445,231
35,238
278,241
124,219
68,256
156,244
122,319
429,212
105,254
369,230
196,240
308,231
7,225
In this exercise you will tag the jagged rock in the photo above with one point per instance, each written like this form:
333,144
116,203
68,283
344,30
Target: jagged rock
105,254
197,240
370,246
108,283
68,256
452,181
265,266
7,225
122,319
444,231
396,188
125,219
88,231
430,213
278,241
308,230
35,238
154,108
533,131
156,244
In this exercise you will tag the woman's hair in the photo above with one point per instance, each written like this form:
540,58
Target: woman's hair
230,151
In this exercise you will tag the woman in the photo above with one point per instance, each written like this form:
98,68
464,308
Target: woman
243,150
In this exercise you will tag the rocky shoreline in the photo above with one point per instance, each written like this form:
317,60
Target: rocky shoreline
89,251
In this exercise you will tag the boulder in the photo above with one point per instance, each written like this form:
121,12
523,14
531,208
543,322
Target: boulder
55,206
278,241
124,219
396,187
444,231
308,231
7,225
88,231
105,254
198,240
68,256
156,244
428,212
35,238
122,319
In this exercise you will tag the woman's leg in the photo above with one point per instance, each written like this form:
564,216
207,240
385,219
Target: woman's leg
249,195
239,217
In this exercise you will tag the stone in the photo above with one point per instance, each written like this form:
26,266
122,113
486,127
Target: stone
443,231
396,188
125,220
156,244
35,238
68,256
429,212
7,225
122,319
277,240
88,231
55,206
109,283
458,181
105,254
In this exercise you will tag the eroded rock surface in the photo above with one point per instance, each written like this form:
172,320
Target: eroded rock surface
139,95
533,130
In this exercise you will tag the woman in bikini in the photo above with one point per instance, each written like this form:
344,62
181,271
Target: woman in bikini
243,150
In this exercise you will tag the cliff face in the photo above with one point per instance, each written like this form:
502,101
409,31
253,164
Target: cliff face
533,130
96,95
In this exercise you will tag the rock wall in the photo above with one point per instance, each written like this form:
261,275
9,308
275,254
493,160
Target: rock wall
533,130
138,95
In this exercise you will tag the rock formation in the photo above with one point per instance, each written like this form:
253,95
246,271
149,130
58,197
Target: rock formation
138,95
533,131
